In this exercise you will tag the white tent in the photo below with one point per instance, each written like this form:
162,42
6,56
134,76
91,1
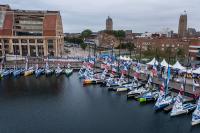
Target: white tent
153,62
177,65
197,71
164,63
125,58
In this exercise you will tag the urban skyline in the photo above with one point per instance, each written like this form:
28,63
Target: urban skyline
139,16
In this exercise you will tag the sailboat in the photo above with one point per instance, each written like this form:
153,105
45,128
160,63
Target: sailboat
38,71
48,71
196,115
17,72
163,100
1,70
4,72
28,71
58,70
69,70
180,108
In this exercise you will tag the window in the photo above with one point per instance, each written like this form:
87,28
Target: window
2,16
23,41
16,49
31,41
39,41
32,50
15,41
24,50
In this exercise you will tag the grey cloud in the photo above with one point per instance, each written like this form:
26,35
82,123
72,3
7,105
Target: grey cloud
138,15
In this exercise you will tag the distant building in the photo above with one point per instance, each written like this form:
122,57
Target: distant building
30,32
192,32
194,49
129,34
182,29
161,44
109,24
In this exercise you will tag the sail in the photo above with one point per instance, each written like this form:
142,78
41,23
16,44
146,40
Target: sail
196,113
47,65
178,105
36,66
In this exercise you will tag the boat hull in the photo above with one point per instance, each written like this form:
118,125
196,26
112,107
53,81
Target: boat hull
90,82
194,123
17,73
179,113
28,73
68,72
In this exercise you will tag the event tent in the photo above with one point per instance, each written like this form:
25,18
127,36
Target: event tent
153,62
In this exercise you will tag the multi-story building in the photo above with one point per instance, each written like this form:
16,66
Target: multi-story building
161,44
194,49
182,29
30,32
109,24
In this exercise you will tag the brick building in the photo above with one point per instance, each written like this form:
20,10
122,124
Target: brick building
30,32
161,44
194,49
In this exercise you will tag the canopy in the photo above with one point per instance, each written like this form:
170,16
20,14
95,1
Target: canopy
153,62
125,58
177,65
197,71
164,63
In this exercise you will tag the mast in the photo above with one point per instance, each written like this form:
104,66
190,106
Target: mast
26,67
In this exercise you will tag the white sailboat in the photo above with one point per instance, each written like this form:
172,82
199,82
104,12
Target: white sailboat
196,115
58,70
28,71
180,108
163,99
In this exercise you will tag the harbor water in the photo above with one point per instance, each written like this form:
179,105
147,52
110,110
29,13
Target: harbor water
63,105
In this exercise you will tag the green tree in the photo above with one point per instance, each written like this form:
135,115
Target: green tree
86,33
119,34
180,53
130,46
83,46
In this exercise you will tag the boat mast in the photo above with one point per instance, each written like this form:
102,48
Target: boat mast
26,63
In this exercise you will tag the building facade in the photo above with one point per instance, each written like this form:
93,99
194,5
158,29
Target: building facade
30,32
109,24
162,45
194,49
182,28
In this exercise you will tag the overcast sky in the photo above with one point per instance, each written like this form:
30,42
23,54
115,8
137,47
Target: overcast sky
136,15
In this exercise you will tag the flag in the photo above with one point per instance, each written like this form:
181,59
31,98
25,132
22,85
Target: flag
168,78
182,89
154,70
162,87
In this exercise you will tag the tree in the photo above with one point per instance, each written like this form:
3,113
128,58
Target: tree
180,53
86,33
119,34
130,46
83,46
